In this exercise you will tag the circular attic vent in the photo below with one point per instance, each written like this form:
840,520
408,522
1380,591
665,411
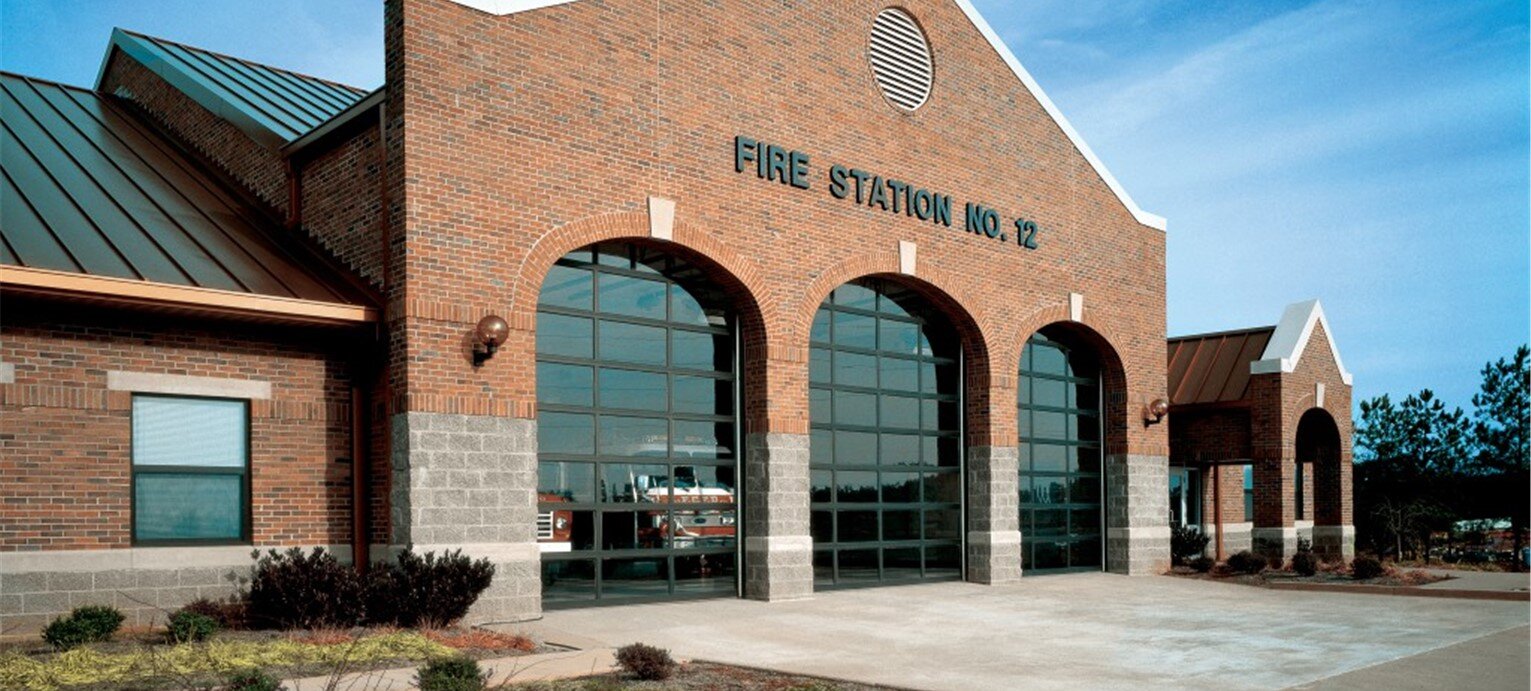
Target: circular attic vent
900,59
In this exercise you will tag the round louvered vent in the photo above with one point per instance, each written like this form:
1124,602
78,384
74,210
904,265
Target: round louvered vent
900,59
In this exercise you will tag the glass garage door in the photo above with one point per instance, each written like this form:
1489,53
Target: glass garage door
885,458
1060,458
636,406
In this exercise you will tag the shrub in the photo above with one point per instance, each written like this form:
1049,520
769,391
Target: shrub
87,624
450,674
1247,562
229,614
292,590
426,590
646,662
1186,543
1202,564
252,680
1304,563
186,626
1365,566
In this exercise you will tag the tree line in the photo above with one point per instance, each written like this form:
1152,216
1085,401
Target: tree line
1422,466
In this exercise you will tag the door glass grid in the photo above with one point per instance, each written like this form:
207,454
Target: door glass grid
1060,458
885,456
637,422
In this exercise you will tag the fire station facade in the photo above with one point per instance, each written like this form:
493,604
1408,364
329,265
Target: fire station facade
636,300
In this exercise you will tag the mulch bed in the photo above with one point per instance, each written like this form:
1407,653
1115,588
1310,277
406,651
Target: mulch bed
1391,579
700,675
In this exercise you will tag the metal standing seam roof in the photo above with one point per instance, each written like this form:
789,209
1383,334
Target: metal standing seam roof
1214,367
274,106
88,190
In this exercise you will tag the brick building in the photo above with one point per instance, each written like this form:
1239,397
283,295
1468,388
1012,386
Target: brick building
638,301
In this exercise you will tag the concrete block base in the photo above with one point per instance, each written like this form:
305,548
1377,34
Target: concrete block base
1334,542
1274,543
994,557
778,550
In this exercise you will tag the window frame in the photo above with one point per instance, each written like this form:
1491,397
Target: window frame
246,499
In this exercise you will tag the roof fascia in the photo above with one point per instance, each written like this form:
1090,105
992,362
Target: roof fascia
195,88
505,7
129,292
340,120
1291,338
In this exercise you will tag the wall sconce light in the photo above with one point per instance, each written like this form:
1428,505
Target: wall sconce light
487,337
1155,412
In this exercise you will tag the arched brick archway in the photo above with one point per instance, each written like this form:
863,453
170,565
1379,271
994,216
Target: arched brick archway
1318,448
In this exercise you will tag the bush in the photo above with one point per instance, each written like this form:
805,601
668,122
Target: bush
426,591
1304,563
1247,562
87,624
646,662
1202,564
229,614
186,626
1187,543
292,590
450,674
252,680
1365,566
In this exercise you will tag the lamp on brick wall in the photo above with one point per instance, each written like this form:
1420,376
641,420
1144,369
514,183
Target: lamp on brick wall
487,337
1154,412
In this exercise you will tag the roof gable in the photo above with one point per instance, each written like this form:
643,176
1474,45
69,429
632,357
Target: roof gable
507,7
272,105
1291,338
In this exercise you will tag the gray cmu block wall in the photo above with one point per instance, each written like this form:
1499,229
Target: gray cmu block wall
1137,514
993,530
778,550
31,599
469,482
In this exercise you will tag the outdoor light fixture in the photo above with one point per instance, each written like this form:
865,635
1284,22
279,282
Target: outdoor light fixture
487,337
1156,411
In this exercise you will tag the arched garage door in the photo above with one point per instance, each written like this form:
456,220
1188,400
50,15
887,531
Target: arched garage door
1061,482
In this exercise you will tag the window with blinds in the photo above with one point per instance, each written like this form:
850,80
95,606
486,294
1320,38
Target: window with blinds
191,459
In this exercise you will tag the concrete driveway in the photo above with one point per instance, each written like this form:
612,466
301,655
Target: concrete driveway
1073,631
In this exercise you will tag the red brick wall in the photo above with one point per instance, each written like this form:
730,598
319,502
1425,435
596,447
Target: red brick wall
259,169
342,202
1208,435
1231,489
65,458
526,136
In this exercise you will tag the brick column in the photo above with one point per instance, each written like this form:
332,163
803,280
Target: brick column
469,482
778,550
1334,532
1137,514
1275,533
993,514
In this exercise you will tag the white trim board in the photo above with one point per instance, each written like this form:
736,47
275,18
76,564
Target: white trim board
1291,338
507,7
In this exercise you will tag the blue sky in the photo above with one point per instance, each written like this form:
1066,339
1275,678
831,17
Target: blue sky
1370,154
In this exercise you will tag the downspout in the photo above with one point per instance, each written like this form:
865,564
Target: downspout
360,544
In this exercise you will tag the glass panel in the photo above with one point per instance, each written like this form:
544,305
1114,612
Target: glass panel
564,581
819,366
634,436
859,297
823,566
854,369
1049,458
703,395
564,384
820,331
943,524
630,483
901,525
1047,425
1085,553
565,481
858,565
1050,392
1084,522
565,336
900,449
855,448
1049,522
684,309
1049,555
901,564
705,574
565,433
1048,490
188,506
636,390
566,286
900,411
855,330
189,432
900,487
899,374
899,337
820,485
821,446
857,526
632,343
703,439
818,406
701,526
694,350
634,578
634,297
821,525
855,409
943,487
943,561
856,486
1047,359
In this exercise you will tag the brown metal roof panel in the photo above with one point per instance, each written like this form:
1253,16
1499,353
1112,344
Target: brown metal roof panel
1220,367
1180,356
1237,385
